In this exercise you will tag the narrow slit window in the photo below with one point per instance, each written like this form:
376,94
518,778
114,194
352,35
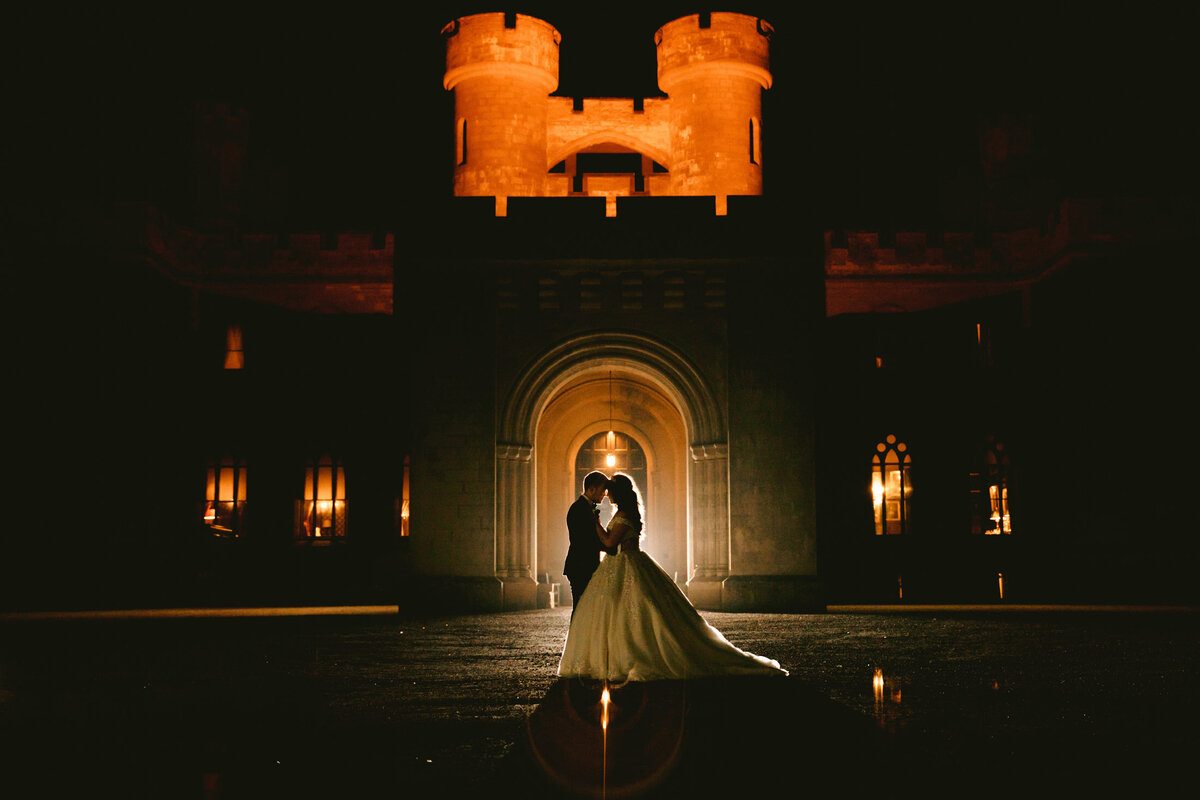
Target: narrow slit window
235,356
404,500
460,144
755,141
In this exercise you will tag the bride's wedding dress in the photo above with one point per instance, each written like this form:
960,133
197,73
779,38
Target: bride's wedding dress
633,623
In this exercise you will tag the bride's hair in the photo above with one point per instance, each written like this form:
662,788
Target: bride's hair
626,497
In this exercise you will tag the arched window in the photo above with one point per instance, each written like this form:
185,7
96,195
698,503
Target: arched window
891,486
321,515
225,496
611,452
991,491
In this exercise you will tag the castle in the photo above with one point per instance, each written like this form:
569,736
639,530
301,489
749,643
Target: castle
514,140
815,414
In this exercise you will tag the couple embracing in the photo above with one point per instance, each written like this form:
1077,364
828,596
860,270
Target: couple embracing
630,622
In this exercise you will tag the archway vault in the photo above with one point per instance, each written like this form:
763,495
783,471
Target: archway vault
608,137
699,482
659,363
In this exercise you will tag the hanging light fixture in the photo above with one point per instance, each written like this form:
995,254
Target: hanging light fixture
611,458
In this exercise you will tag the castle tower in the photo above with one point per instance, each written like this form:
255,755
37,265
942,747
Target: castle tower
501,77
714,76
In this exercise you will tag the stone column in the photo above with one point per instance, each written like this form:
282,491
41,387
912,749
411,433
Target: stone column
514,525
709,514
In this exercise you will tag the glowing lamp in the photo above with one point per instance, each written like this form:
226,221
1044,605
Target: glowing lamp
610,460
604,700
877,685
210,513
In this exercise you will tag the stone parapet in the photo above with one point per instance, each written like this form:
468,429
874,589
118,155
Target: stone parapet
1075,222
344,272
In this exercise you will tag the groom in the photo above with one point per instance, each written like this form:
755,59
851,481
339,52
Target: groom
583,556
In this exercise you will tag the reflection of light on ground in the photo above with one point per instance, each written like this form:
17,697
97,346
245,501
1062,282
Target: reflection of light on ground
639,727
184,613
887,700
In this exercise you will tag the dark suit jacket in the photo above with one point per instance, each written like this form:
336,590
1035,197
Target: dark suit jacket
583,556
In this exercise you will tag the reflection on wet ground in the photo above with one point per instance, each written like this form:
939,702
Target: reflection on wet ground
877,704
701,738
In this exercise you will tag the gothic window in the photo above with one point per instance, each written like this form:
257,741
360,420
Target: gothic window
235,356
321,514
225,496
891,487
990,491
611,452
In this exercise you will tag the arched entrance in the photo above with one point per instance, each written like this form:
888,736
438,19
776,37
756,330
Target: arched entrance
577,415
558,404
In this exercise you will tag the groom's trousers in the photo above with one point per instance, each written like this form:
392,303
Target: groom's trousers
578,584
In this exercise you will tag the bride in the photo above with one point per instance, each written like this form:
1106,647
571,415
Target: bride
634,624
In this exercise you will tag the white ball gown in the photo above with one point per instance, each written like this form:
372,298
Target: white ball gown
634,624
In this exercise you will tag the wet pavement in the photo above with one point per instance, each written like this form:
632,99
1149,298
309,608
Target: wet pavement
939,701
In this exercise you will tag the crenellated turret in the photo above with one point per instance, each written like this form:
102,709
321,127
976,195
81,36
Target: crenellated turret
714,76
501,78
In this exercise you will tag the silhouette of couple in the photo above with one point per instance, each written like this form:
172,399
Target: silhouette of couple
630,622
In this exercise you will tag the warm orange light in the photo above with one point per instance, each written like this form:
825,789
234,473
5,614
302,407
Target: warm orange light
610,460
1000,581
604,700
235,357
210,513
877,489
877,684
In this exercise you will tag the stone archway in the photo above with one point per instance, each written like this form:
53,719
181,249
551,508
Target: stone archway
555,404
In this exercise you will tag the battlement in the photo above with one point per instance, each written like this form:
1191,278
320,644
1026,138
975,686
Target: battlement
705,140
483,45
734,45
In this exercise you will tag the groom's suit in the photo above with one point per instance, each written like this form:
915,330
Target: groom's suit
583,556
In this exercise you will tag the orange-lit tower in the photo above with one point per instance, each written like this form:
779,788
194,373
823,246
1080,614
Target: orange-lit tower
501,78
714,76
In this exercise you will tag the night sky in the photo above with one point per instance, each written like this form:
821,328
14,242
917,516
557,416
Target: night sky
871,117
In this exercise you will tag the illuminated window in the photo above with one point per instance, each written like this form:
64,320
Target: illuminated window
321,515
225,497
611,452
235,357
990,491
891,486
403,526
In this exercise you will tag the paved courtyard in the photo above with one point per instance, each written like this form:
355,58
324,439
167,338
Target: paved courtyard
879,703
